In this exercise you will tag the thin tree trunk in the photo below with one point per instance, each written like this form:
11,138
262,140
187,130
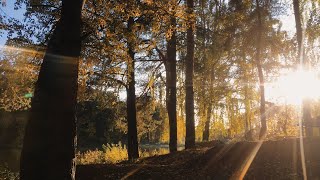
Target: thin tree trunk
190,127
171,89
247,104
247,111
263,116
297,17
206,133
208,80
133,152
50,137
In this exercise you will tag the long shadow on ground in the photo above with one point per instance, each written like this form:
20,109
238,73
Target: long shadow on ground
275,160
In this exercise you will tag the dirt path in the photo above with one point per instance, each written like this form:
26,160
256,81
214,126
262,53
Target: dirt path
273,160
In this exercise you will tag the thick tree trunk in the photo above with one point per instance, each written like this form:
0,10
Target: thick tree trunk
171,89
133,152
190,127
206,133
50,137
263,116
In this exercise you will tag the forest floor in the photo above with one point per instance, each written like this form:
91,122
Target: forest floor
272,159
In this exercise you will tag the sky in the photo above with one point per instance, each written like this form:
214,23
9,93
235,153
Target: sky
9,11
288,22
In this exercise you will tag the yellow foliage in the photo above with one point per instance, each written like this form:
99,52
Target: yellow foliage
114,153
90,157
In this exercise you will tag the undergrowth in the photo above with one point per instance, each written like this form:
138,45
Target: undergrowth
113,153
7,174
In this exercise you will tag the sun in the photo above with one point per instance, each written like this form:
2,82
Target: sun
293,86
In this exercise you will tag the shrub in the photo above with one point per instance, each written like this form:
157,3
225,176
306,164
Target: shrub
114,153
90,157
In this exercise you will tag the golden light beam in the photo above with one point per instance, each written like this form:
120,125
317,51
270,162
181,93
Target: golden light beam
26,50
303,160
242,171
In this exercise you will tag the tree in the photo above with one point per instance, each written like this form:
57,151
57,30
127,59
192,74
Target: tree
170,61
297,17
171,83
189,100
133,152
263,116
49,143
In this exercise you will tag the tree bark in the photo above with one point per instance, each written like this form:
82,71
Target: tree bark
133,152
263,116
190,127
50,137
171,89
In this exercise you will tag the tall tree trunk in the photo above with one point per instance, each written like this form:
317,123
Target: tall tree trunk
190,127
205,136
133,152
171,89
263,116
306,102
247,105
50,137
208,79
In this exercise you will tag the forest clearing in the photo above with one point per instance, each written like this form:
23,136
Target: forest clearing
170,89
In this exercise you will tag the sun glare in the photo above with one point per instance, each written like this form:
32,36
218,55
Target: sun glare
295,85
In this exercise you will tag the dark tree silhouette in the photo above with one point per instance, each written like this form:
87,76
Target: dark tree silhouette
171,87
190,127
297,17
133,152
49,143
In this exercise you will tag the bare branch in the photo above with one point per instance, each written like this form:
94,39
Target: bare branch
162,56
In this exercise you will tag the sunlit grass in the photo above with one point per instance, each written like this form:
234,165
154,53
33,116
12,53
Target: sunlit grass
114,153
